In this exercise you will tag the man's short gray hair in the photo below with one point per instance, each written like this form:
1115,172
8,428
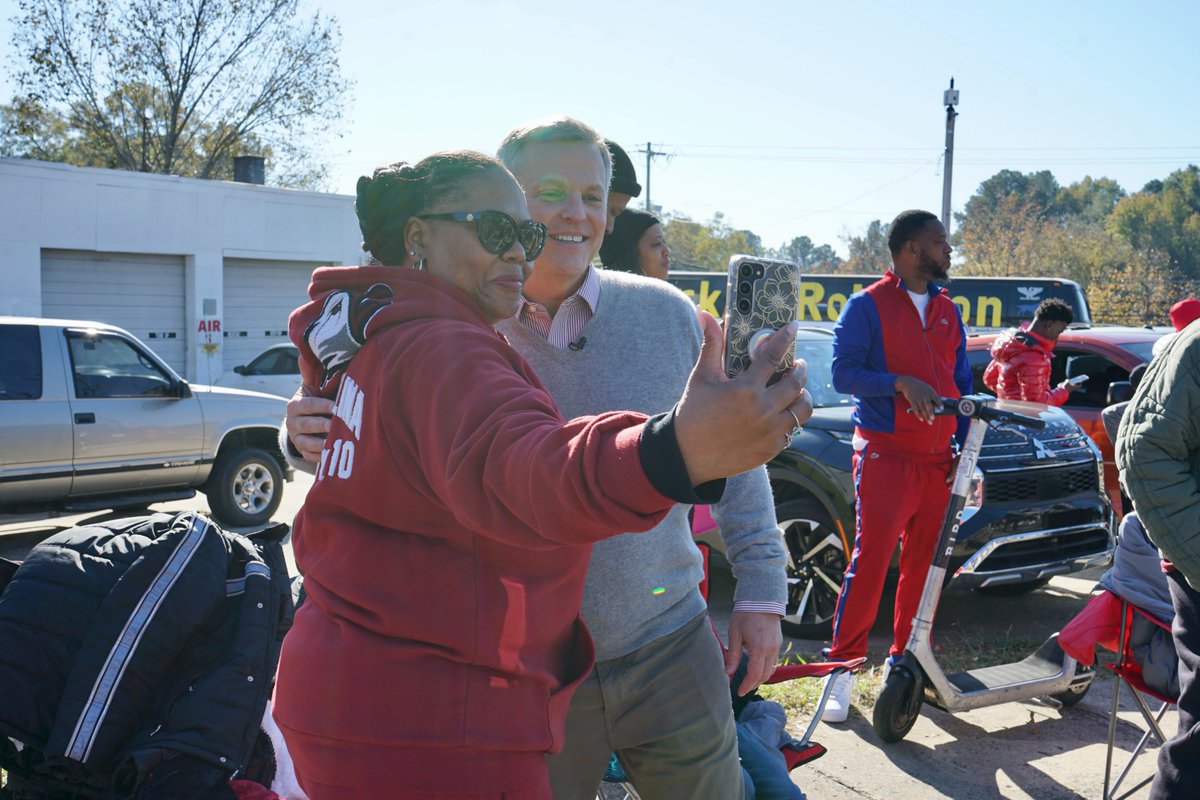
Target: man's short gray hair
552,129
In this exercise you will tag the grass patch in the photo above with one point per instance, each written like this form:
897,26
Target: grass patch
956,653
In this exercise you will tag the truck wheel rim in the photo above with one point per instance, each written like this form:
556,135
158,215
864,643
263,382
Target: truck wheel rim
816,565
253,488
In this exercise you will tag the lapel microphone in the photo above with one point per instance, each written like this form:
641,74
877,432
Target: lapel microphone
578,344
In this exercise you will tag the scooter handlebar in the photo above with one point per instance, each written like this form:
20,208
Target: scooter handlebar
980,407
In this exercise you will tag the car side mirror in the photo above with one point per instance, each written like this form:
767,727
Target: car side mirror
183,390
1119,392
240,369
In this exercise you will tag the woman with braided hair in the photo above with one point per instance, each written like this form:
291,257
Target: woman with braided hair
445,541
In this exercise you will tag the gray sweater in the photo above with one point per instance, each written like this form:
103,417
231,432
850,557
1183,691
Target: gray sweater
641,346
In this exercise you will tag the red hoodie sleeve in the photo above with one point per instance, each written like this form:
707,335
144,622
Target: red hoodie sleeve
991,375
1057,396
1033,374
492,446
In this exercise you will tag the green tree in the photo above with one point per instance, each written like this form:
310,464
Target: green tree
1005,239
1090,199
1165,217
707,246
1038,190
1139,291
808,256
869,253
174,86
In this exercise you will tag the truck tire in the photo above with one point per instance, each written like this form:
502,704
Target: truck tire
817,558
245,487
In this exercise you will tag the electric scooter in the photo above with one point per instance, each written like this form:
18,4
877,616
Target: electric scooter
916,677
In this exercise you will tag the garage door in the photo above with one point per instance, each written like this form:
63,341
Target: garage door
259,296
144,294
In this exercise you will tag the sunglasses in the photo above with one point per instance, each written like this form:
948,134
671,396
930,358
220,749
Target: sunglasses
497,231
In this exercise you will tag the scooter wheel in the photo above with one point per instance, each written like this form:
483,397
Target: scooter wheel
1083,681
898,706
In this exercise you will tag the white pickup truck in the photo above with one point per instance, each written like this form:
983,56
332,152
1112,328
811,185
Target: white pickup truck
91,418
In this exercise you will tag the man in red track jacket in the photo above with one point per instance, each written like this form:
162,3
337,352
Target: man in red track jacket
899,346
1020,368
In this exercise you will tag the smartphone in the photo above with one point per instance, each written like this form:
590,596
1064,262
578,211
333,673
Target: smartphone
762,296
1078,380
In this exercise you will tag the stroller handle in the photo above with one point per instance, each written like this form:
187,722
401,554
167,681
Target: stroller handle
980,406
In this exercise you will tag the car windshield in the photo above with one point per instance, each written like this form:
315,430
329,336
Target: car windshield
816,347
1143,350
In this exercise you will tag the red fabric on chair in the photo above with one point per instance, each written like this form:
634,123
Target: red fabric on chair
1099,623
1127,667
815,669
1128,672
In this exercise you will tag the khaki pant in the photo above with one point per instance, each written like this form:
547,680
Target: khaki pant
665,711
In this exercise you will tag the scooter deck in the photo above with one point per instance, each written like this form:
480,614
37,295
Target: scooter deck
1044,665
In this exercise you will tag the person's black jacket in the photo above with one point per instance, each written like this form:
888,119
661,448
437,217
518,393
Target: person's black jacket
137,644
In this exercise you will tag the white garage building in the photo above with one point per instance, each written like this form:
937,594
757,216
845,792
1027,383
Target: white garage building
205,272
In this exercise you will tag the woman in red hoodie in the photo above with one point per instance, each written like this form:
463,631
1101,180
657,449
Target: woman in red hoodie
445,540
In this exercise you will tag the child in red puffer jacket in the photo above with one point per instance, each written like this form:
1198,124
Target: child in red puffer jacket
1020,368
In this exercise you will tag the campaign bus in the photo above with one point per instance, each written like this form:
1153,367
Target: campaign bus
985,303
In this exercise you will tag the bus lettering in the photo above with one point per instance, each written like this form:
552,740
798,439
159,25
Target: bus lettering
708,299
811,293
983,304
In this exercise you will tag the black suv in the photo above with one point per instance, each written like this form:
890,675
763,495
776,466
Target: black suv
1037,507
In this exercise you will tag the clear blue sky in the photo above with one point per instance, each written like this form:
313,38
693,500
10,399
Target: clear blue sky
792,118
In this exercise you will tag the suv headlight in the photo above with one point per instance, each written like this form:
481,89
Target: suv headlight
974,495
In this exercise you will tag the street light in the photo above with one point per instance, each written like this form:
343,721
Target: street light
950,100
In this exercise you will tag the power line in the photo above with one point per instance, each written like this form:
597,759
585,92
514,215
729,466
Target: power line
970,149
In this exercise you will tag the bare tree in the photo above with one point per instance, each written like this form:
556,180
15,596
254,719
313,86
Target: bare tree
175,86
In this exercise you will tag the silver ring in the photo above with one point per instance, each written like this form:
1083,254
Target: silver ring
798,427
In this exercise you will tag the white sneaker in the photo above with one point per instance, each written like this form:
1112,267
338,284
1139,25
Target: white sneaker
887,670
837,708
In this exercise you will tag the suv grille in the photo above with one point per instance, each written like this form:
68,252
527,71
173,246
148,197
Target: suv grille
1041,484
1045,550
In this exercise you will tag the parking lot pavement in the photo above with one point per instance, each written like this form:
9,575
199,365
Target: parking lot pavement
1016,751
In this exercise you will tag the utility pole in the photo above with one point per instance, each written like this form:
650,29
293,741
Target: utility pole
950,99
145,140
650,153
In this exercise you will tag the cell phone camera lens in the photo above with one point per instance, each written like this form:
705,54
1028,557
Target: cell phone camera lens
745,288
746,271
744,305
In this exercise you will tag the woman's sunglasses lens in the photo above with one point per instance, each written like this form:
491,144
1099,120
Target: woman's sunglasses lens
533,238
496,231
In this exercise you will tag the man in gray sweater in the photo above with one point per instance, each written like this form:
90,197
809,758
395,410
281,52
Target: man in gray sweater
659,694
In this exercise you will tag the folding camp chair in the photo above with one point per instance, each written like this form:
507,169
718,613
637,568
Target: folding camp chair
1128,672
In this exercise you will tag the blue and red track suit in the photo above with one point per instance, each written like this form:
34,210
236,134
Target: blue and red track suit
900,462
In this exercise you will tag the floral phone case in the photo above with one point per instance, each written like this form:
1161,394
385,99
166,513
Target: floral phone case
762,296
